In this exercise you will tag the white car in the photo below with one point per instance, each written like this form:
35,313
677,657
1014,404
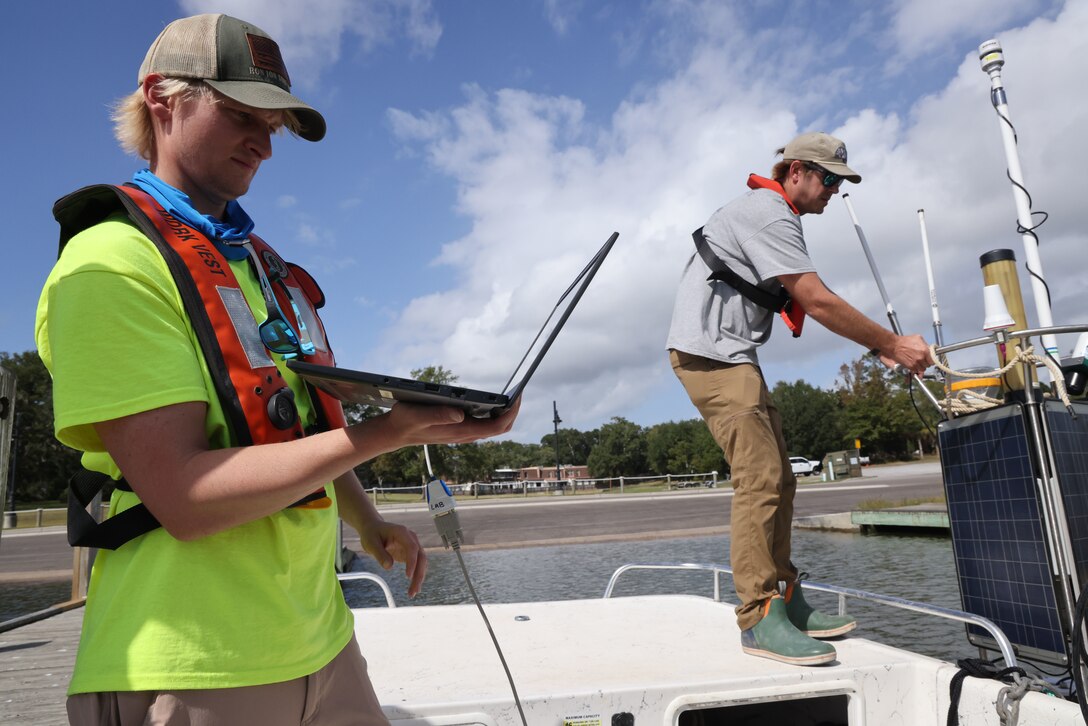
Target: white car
803,467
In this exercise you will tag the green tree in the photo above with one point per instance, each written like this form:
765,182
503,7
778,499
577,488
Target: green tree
471,462
811,419
670,449
515,455
574,446
434,374
408,465
620,450
877,410
404,467
683,447
42,465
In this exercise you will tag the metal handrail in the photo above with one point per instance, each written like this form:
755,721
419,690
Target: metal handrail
1002,640
1025,333
346,576
716,569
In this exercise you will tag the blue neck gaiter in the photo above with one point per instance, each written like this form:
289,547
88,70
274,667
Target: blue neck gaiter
236,228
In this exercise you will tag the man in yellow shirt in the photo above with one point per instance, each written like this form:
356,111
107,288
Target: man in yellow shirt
229,612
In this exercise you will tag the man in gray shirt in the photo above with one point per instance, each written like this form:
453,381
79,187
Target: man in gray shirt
751,262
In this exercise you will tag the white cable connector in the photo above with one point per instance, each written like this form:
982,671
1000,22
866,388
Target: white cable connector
443,508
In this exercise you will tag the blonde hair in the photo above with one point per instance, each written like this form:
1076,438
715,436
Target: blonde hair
132,121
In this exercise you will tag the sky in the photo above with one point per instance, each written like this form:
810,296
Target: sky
478,153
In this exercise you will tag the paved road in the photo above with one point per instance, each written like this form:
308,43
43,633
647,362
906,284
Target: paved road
44,554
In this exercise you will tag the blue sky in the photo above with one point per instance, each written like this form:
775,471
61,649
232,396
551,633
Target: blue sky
479,151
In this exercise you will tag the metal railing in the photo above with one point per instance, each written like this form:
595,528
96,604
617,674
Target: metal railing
349,576
999,637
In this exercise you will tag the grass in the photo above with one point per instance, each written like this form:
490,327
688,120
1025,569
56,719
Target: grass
925,458
50,517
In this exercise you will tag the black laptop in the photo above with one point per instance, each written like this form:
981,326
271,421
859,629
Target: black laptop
380,390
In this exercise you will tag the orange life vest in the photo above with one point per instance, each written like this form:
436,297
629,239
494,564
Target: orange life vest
778,301
256,401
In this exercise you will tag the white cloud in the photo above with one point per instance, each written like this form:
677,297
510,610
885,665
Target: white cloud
543,188
561,14
312,35
922,27
307,234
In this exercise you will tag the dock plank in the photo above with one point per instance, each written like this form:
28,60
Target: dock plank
36,663
932,516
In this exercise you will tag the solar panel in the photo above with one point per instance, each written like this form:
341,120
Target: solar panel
1001,555
1068,438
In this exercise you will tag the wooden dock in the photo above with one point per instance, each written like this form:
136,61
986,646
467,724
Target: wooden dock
36,663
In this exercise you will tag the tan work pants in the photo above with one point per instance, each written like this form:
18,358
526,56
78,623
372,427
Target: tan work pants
734,401
340,694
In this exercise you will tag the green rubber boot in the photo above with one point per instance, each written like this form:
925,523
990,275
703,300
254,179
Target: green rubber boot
811,621
776,638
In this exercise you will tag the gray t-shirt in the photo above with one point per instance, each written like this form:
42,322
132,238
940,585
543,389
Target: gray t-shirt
759,237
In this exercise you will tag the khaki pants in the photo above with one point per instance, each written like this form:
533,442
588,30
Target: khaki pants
340,694
734,401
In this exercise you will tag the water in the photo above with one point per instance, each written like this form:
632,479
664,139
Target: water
20,598
913,567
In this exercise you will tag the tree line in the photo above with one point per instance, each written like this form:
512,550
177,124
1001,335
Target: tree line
867,403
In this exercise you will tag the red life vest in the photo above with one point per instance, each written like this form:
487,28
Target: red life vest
248,384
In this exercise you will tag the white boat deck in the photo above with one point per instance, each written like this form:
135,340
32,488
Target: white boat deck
665,659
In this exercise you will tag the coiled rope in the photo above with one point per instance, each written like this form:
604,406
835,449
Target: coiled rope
968,401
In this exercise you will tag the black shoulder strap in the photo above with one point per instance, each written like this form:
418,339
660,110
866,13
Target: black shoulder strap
721,272
85,531
75,212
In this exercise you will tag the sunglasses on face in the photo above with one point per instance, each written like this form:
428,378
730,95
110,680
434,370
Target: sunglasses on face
276,333
829,179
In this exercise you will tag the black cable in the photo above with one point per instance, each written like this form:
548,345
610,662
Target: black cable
1021,229
910,392
1077,663
1066,674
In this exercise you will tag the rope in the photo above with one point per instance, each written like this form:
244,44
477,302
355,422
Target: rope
1008,698
968,401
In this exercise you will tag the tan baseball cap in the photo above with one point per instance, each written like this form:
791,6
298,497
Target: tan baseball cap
235,58
822,149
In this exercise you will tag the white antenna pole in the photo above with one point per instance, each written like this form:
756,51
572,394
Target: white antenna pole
937,337
892,317
991,58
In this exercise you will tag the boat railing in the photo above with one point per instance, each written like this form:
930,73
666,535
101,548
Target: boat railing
843,593
370,577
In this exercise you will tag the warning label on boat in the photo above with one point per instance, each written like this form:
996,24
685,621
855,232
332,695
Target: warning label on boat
588,719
